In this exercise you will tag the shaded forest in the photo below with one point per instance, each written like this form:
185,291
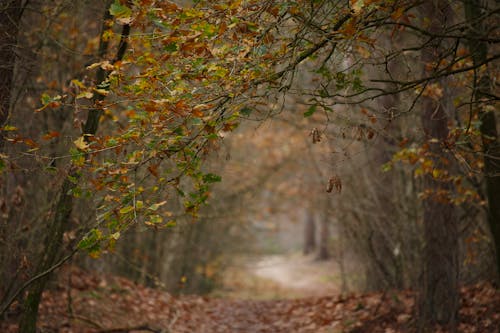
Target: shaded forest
249,166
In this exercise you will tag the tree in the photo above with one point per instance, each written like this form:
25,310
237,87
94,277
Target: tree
309,234
57,223
192,74
439,295
483,96
9,25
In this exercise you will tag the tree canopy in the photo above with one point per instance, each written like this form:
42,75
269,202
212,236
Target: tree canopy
149,90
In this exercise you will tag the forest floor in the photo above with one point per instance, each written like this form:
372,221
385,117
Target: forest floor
271,295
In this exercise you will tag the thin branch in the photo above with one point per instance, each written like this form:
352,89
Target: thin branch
441,74
36,278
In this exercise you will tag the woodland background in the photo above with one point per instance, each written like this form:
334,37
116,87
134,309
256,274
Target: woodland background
172,143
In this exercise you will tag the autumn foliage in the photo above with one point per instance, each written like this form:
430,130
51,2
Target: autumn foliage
113,112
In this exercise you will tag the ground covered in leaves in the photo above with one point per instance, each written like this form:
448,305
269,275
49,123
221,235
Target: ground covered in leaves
91,303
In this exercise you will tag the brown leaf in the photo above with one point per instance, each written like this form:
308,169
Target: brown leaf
316,135
334,183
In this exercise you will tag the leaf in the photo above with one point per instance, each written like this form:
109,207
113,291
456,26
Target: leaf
310,111
246,111
154,207
126,209
119,11
198,110
356,5
91,241
316,135
51,135
171,47
85,94
386,167
153,169
9,128
48,101
211,178
103,92
81,144
364,52
78,83
334,183
154,219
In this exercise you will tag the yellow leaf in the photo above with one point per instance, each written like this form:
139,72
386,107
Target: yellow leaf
155,206
126,209
78,84
106,65
9,128
85,94
81,144
103,92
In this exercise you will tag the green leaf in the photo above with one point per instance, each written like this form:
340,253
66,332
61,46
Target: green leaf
246,111
91,241
212,136
45,98
171,47
118,10
211,178
310,111
386,167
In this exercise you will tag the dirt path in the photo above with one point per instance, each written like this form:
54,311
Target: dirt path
303,275
281,277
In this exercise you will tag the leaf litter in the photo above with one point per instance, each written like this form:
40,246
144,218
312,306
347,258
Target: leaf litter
91,303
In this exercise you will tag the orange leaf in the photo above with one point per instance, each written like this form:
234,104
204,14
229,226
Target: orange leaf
153,169
51,135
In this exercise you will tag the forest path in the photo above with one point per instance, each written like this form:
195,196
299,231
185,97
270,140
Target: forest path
301,275
100,304
282,276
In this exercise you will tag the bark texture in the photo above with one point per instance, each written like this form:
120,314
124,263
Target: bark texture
488,128
10,16
439,297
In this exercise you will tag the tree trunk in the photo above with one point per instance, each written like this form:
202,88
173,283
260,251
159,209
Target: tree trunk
57,224
309,234
439,298
488,128
324,253
52,248
10,17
